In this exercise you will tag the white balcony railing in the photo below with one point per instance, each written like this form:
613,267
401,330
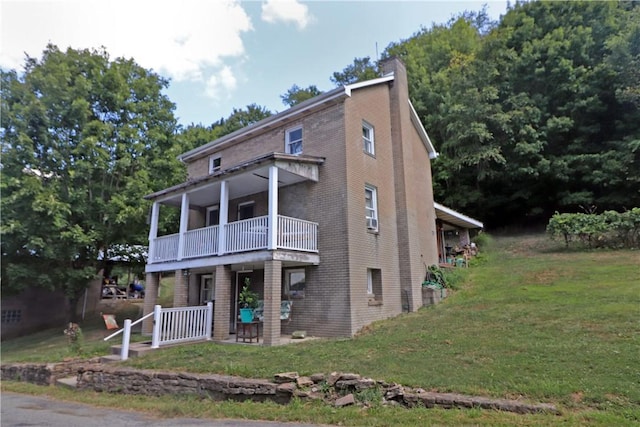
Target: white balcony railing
241,236
297,234
247,235
201,242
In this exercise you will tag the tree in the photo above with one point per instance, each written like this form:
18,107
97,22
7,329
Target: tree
84,138
239,119
361,69
296,95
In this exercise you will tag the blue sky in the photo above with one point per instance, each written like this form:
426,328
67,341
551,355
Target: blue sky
222,55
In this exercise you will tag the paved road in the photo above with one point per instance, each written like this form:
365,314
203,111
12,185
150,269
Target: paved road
20,410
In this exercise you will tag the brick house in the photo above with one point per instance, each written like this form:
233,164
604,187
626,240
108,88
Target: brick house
328,204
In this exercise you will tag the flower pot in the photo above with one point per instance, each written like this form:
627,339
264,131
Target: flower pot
246,315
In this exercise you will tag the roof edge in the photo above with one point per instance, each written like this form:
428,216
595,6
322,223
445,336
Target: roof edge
458,215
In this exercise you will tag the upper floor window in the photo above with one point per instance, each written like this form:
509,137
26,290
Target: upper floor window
371,207
293,141
214,164
368,138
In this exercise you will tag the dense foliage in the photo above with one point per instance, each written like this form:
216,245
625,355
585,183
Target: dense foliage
537,113
610,229
84,138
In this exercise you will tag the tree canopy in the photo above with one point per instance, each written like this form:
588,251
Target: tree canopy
84,138
533,114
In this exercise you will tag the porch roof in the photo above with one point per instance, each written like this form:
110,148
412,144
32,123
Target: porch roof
452,217
291,175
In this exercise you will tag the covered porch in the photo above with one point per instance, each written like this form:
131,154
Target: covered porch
221,241
209,229
453,232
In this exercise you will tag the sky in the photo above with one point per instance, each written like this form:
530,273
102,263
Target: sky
220,55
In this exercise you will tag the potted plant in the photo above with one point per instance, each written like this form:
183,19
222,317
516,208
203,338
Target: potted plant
248,302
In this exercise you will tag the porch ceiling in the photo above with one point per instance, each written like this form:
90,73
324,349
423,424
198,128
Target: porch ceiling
243,180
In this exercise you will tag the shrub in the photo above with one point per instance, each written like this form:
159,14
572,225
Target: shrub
610,229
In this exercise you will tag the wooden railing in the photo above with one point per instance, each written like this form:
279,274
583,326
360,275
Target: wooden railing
247,235
240,236
181,324
297,234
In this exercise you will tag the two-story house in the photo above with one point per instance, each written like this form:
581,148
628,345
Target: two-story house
328,204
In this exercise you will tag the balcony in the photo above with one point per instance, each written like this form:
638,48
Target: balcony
239,236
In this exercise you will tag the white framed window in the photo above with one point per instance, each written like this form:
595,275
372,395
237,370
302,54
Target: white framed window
371,207
293,140
207,289
368,139
213,215
369,281
215,163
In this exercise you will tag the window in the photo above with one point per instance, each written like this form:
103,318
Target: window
371,207
294,283
11,316
214,164
374,284
245,210
213,215
368,139
207,289
293,141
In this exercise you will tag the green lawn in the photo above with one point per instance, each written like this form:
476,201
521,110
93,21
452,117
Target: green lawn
527,321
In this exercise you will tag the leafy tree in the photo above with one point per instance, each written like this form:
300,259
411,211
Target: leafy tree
361,69
296,95
239,119
83,139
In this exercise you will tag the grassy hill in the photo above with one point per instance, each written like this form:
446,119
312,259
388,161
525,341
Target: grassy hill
528,321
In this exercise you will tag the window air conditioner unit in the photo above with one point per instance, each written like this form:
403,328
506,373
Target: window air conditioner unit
372,223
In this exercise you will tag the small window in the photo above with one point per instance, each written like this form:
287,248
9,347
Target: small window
294,283
213,215
245,210
368,139
374,284
214,164
371,207
293,141
11,316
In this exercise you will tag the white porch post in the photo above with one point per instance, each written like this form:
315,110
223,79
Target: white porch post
153,231
184,223
272,241
224,216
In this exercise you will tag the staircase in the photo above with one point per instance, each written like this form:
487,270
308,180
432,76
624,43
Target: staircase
135,349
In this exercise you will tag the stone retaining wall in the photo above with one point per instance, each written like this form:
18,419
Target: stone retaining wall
338,389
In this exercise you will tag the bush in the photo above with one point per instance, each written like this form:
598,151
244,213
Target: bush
611,229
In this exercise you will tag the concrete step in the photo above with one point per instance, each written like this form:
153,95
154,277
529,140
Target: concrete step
112,358
136,349
69,382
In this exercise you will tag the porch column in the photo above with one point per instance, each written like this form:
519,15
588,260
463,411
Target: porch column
272,291
151,286
153,231
224,216
184,224
181,289
272,241
222,309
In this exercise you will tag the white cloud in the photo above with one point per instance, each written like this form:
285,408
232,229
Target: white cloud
221,84
182,40
286,11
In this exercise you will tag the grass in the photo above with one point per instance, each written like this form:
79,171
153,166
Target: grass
528,321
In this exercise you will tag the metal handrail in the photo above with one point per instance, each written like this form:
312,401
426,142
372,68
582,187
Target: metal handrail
132,324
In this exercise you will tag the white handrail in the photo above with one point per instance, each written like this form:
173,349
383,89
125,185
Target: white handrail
119,331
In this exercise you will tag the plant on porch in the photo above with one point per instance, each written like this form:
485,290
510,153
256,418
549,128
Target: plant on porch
248,301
